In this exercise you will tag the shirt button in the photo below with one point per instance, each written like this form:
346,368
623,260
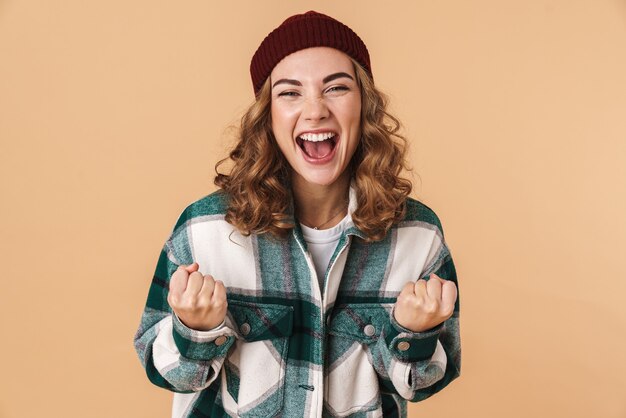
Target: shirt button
403,346
369,330
245,328
220,340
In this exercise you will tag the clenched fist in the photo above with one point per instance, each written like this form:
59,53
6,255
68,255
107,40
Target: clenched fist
198,301
425,304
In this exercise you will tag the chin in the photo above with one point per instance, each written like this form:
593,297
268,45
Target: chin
320,179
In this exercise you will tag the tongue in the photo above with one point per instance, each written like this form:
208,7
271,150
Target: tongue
318,149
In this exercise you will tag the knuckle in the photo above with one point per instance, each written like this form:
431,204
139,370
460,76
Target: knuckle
191,304
199,304
411,303
219,301
431,307
205,301
434,284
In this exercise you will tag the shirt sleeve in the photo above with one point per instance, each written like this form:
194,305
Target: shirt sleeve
416,365
174,356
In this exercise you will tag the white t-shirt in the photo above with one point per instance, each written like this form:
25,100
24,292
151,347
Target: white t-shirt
321,244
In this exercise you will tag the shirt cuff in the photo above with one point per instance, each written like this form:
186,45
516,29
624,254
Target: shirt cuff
408,346
202,345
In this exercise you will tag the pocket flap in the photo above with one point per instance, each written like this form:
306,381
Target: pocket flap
261,321
360,321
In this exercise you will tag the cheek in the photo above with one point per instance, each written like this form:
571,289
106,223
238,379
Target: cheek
352,113
283,119
281,130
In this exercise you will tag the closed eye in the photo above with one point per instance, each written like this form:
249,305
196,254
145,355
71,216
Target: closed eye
288,93
337,88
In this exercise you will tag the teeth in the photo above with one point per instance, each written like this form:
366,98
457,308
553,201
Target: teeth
317,137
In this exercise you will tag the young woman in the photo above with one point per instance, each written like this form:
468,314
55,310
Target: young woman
310,284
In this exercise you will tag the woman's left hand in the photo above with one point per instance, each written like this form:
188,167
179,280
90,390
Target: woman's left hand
425,304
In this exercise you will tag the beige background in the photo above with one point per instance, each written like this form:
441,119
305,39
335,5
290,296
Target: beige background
112,115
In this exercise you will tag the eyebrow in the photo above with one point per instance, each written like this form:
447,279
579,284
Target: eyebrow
335,76
287,81
326,79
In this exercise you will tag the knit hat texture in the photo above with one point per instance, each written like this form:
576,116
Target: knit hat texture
303,31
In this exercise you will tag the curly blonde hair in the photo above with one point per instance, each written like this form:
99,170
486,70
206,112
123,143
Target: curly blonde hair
258,183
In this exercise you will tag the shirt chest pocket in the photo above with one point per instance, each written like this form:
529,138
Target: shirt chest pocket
254,371
351,381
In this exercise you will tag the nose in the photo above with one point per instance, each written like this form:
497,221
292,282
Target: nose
315,109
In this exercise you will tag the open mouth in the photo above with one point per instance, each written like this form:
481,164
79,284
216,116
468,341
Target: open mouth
317,146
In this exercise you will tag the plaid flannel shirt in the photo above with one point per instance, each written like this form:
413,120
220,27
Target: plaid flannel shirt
288,348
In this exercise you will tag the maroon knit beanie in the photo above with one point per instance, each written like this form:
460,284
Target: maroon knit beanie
303,31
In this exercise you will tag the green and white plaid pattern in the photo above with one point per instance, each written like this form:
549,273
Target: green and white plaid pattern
284,350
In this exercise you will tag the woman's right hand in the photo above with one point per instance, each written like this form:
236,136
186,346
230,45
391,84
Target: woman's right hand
198,301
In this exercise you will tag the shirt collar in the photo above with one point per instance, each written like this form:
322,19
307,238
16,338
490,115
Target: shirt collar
351,229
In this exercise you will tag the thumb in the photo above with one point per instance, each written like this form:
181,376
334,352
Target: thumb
192,267
435,277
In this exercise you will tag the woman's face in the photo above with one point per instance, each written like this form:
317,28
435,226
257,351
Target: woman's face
316,113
